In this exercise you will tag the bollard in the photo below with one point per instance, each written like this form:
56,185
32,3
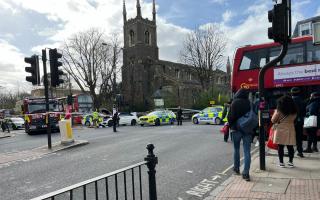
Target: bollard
152,161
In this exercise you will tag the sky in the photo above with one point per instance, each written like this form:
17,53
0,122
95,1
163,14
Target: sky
27,26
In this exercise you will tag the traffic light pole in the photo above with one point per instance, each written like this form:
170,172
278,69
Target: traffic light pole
46,93
264,117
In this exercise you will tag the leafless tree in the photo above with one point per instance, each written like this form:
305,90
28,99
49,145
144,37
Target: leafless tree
110,69
203,49
86,58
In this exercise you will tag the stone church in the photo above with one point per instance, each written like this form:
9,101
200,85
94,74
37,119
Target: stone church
145,76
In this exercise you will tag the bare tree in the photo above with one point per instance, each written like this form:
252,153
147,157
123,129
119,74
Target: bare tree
84,56
110,69
203,49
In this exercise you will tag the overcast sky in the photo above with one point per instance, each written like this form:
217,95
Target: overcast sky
27,26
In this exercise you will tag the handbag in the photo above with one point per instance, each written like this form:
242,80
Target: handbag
270,143
248,122
310,122
225,129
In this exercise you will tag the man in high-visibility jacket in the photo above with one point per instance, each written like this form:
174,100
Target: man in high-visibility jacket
95,116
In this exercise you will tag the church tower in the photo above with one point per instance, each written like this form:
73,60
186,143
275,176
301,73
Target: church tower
140,51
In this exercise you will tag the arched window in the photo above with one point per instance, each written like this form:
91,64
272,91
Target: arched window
147,37
131,38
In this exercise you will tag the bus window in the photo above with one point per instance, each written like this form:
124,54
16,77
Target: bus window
313,52
294,55
254,59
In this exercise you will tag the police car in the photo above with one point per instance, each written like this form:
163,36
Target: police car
210,115
158,117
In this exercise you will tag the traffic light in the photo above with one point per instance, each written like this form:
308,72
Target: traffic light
280,17
69,100
33,69
54,67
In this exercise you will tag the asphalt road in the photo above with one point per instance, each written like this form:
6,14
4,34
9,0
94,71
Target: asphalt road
187,154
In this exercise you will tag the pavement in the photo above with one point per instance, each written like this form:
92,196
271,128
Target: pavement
6,158
300,182
5,135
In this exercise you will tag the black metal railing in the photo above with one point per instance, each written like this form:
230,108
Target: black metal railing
100,187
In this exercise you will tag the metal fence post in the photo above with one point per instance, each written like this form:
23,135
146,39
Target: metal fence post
152,162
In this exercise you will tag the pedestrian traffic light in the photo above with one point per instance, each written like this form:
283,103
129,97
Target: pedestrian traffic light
54,68
33,69
280,17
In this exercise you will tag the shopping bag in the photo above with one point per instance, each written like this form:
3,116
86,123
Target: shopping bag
310,122
225,129
270,143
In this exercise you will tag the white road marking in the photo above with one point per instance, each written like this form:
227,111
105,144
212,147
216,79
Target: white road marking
190,172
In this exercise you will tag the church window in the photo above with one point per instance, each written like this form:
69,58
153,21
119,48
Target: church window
131,38
147,37
177,73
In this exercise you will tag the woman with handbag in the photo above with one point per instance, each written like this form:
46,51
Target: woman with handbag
313,109
283,126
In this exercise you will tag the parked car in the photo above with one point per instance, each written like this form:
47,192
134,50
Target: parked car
210,115
15,122
124,119
158,117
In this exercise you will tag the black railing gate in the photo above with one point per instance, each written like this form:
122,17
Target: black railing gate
101,184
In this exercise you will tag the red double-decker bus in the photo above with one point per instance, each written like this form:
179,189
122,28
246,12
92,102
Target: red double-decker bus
299,68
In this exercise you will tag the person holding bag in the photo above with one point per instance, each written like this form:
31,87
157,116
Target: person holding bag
283,125
313,110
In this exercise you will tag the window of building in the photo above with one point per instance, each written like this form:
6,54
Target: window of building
313,52
305,29
177,73
190,76
147,38
131,38
164,68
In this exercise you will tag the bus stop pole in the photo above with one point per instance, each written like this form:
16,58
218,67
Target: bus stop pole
264,117
46,93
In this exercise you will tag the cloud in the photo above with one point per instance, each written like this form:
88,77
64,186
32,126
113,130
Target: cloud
227,16
219,1
11,66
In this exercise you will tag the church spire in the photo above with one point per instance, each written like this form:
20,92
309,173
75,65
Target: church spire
124,11
228,66
154,11
138,9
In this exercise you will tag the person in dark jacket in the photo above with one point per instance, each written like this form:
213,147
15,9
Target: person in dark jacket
179,116
313,108
298,123
115,119
239,107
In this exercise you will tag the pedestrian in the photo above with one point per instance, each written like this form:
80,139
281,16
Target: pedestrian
313,108
225,112
4,125
298,122
95,118
238,108
179,116
283,125
115,121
